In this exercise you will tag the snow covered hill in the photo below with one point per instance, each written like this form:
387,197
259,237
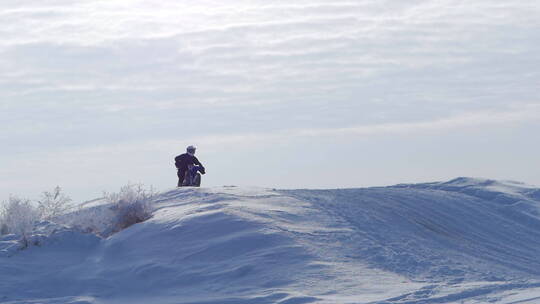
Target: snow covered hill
462,241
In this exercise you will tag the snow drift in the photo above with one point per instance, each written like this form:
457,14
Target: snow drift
466,240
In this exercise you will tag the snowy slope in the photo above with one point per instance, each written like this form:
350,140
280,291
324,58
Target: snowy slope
464,241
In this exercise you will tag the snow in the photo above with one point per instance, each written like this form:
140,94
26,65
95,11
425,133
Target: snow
462,241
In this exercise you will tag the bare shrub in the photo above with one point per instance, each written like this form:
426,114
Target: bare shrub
131,206
3,228
53,203
18,216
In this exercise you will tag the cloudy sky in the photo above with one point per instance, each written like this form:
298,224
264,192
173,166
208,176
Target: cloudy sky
287,94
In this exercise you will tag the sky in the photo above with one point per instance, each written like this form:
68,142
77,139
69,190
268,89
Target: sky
280,94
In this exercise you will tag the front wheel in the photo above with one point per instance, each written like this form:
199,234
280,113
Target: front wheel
197,180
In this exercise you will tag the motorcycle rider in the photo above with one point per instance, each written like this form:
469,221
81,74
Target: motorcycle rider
188,165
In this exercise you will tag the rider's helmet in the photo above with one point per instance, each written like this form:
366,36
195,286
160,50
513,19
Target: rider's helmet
191,150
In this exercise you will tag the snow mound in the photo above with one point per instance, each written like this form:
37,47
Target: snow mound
466,240
485,188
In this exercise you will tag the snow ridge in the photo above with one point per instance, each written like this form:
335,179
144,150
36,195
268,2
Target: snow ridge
466,240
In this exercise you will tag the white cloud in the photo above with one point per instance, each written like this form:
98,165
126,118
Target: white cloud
460,123
125,74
